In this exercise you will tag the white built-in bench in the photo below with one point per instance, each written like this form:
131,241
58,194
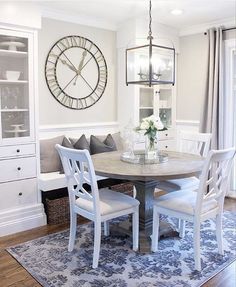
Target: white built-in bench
48,181
55,180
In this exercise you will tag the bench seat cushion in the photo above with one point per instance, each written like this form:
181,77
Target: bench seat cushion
54,180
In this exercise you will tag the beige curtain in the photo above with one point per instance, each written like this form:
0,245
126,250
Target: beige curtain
211,118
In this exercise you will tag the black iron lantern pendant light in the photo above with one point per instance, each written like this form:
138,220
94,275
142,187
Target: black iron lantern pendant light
150,64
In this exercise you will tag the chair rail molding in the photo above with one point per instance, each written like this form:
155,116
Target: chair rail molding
189,125
102,128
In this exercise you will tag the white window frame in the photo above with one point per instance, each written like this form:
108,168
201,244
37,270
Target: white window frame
230,104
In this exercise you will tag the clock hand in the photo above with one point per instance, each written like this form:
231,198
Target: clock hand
80,66
64,62
82,61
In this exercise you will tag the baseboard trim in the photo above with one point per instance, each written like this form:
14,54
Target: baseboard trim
22,219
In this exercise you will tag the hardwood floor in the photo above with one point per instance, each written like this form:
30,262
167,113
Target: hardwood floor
12,274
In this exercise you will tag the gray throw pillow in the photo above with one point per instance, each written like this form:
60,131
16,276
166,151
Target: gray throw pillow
49,157
67,143
82,143
97,146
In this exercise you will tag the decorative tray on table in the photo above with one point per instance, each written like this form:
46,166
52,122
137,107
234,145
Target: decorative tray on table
141,157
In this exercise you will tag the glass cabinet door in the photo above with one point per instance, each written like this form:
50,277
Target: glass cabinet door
14,87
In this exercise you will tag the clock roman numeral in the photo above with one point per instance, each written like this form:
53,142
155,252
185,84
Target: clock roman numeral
83,42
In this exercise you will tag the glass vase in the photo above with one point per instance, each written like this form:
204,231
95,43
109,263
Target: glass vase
151,150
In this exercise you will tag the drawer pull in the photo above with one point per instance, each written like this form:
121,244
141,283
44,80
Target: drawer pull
20,193
19,168
166,135
166,146
18,150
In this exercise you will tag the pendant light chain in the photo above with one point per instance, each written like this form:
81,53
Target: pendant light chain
150,20
150,64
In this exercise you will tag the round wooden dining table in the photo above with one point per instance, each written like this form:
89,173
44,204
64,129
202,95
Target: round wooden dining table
146,177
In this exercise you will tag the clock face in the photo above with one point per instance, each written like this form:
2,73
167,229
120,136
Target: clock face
76,72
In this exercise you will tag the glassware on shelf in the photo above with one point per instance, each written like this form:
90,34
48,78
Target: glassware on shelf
5,97
16,130
15,94
163,117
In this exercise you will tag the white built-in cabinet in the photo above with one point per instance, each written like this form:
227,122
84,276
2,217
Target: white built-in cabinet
160,101
20,202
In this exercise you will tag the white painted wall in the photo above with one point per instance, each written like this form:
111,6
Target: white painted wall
191,81
192,76
53,113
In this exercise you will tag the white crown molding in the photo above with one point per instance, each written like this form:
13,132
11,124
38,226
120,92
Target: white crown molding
196,29
78,19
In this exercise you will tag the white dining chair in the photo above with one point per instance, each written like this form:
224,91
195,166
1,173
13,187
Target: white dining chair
198,206
97,205
194,143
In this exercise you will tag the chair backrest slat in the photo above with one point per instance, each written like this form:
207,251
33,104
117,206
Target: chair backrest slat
214,178
195,143
79,170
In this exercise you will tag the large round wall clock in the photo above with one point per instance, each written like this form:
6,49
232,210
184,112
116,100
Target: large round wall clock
76,72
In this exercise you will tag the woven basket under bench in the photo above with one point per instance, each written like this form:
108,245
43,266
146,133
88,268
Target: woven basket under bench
58,210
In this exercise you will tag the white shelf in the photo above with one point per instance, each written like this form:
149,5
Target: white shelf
13,110
15,54
146,108
13,82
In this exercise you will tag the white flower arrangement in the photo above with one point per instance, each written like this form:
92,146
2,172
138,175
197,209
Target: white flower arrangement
151,125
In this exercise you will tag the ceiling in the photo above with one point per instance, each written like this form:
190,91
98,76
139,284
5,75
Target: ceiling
115,12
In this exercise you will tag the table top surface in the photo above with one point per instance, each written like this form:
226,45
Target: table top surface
179,165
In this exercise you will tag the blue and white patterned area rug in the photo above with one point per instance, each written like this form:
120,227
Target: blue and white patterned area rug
49,262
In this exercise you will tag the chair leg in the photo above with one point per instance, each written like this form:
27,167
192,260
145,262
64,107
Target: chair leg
97,243
106,228
219,233
181,228
135,228
73,225
155,229
196,245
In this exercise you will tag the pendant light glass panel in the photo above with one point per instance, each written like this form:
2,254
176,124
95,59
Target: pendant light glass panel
150,65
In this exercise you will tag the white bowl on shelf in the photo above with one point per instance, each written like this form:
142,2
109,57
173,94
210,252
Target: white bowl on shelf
12,75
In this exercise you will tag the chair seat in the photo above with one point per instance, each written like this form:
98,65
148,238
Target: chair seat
177,184
183,201
110,202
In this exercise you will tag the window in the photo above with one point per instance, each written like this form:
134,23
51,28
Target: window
229,97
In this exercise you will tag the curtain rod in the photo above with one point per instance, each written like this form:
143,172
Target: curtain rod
224,30
233,28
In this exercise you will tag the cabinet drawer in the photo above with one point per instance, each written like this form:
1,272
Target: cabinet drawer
16,194
164,135
17,150
167,145
19,168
